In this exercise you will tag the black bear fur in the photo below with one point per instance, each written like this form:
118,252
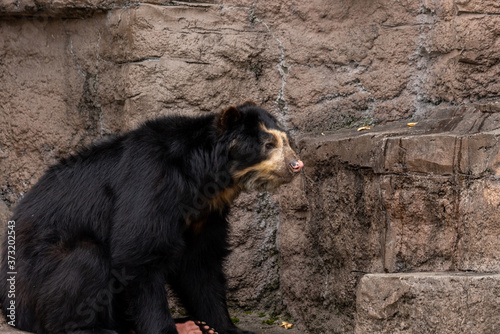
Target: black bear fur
103,231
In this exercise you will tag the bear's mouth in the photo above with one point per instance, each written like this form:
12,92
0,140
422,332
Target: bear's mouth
269,179
285,175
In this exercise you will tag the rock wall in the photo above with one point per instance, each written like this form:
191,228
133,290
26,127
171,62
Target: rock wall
390,200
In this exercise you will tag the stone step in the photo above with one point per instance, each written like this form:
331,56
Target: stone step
451,141
447,302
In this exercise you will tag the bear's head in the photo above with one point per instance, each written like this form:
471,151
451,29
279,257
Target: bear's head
259,149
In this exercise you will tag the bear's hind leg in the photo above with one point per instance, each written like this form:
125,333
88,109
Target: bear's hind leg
75,294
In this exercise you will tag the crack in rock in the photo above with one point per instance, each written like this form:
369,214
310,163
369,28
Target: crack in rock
283,67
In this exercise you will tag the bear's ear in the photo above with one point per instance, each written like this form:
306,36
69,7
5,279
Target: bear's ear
227,118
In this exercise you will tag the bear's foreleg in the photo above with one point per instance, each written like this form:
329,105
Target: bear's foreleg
199,280
149,307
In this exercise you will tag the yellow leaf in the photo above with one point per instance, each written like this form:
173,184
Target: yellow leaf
286,325
364,128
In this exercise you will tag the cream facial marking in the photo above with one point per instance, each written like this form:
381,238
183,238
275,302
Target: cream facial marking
280,136
279,166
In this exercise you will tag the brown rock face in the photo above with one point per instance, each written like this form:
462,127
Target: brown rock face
390,199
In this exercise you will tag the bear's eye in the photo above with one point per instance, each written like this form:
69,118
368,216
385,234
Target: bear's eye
270,146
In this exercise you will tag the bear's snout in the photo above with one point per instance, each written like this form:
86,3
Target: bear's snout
296,166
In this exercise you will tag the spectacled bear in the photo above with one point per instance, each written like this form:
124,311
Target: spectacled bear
103,232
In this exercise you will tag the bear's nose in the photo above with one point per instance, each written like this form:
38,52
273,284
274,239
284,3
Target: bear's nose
296,166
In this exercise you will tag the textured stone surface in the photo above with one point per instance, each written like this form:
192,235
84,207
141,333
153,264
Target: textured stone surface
185,59
389,199
428,303
254,268
51,96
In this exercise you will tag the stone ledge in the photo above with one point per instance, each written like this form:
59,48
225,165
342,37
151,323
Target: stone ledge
485,7
428,303
463,140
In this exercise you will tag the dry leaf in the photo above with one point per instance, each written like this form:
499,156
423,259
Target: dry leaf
412,124
364,128
286,325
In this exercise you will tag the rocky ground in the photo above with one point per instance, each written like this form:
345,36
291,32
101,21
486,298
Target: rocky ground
258,322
